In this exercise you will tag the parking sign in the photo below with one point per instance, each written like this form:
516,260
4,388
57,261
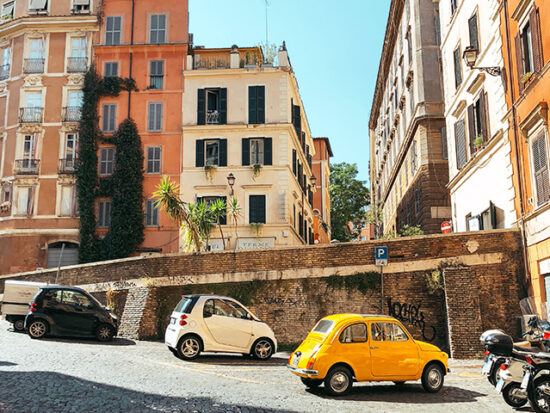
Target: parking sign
381,255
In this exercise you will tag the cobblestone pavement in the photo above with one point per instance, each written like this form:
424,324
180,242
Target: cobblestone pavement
64,375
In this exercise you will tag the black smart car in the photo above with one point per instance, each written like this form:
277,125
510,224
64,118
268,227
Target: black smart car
69,311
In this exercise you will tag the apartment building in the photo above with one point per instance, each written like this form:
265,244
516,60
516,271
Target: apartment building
480,166
525,30
408,154
321,197
246,135
45,48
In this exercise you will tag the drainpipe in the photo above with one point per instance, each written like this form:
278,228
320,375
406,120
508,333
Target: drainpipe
131,55
517,143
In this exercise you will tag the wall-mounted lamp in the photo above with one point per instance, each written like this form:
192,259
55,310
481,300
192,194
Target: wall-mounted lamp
231,181
470,57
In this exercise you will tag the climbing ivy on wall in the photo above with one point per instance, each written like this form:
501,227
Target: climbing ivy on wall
125,186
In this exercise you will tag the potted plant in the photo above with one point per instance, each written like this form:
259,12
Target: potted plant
256,169
209,171
256,228
478,142
526,77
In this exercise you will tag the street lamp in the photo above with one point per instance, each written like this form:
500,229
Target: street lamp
231,181
313,180
470,57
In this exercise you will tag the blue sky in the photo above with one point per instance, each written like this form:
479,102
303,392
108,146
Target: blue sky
334,47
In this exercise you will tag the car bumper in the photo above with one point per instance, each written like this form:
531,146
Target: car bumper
303,372
171,336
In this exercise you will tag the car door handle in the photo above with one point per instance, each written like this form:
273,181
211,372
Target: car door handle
373,348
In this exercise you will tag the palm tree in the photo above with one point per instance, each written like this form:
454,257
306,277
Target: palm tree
201,215
167,196
234,212
218,209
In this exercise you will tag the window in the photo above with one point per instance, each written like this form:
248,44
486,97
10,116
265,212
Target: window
355,333
103,214
154,159
458,67
387,332
67,207
151,213
453,7
113,26
460,143
77,61
539,153
529,48
212,106
29,149
77,299
35,62
111,69
297,119
6,63
25,202
106,161
474,32
211,152
157,31
109,117
7,10
477,123
257,209
81,6
155,117
258,151
209,200
256,104
51,298
157,74
38,5
224,308
70,150
323,327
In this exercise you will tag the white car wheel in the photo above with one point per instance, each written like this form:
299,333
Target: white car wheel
189,347
263,349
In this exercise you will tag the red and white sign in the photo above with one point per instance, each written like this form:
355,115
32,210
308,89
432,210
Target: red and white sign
446,227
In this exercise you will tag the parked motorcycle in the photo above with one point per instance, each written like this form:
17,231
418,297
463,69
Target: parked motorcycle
536,381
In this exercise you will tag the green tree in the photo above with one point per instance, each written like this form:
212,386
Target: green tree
348,198
234,212
219,210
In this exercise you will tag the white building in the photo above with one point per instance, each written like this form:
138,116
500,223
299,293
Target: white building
480,169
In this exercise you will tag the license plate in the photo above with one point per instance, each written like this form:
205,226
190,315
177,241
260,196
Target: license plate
172,320
295,361
499,386
525,380
487,366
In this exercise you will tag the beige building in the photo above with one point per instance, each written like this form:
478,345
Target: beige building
246,120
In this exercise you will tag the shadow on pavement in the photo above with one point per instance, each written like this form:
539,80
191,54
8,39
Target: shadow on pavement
7,364
237,360
53,392
405,394
117,341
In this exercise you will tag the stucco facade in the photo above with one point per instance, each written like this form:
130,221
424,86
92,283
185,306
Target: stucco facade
480,167
321,197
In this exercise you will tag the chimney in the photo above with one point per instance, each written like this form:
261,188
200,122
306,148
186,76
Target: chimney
234,57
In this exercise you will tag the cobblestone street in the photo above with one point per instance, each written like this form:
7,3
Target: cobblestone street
64,375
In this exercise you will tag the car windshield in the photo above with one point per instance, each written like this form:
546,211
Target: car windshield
323,326
184,306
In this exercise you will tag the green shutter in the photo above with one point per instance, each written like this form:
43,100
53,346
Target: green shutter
245,151
294,159
268,149
257,209
201,114
223,152
252,105
260,104
199,153
458,68
471,128
223,106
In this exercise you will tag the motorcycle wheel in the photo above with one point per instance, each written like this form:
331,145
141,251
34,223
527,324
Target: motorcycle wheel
508,394
539,395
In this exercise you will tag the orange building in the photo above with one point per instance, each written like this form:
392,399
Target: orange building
525,28
321,197
146,41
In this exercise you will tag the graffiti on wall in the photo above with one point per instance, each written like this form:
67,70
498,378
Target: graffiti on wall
411,314
280,300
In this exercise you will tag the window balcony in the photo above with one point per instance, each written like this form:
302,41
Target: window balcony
213,117
34,65
72,113
30,115
67,166
26,166
77,64
4,72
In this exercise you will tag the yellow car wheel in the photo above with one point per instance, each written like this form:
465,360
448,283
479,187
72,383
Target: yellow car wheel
338,381
432,378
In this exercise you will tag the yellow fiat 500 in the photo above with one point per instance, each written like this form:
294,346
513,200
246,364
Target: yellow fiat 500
344,348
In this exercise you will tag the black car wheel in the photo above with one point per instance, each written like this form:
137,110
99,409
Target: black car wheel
512,395
311,383
262,349
432,378
338,381
19,325
189,347
37,329
104,332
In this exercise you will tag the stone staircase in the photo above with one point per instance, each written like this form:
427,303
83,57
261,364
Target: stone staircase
130,321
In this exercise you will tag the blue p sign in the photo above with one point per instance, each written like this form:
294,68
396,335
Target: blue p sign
381,255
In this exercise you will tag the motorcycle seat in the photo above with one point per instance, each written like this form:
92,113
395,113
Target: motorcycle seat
527,349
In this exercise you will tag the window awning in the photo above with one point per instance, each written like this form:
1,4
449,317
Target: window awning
38,4
81,2
8,11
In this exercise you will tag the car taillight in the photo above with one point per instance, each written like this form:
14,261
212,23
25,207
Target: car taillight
546,335
504,366
182,320
529,359
487,353
310,363
290,358
33,307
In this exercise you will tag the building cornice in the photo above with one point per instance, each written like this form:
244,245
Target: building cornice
50,24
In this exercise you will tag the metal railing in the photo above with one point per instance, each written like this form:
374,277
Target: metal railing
67,166
26,166
34,65
77,64
211,62
4,72
30,115
72,113
212,117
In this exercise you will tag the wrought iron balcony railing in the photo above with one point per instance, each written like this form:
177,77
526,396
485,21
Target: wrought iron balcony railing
34,65
66,166
30,115
212,117
26,166
4,72
72,113
77,64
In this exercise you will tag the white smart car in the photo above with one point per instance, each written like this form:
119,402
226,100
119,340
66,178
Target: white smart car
217,324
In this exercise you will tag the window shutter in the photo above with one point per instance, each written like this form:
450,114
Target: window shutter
151,114
161,36
153,37
460,140
223,106
201,114
536,39
483,116
268,149
199,153
303,141
294,171
223,152
252,105
471,128
540,164
150,156
458,68
519,62
260,103
245,151
257,209
472,26
296,120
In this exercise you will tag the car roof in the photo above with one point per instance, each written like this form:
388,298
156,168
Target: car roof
63,287
351,316
210,296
